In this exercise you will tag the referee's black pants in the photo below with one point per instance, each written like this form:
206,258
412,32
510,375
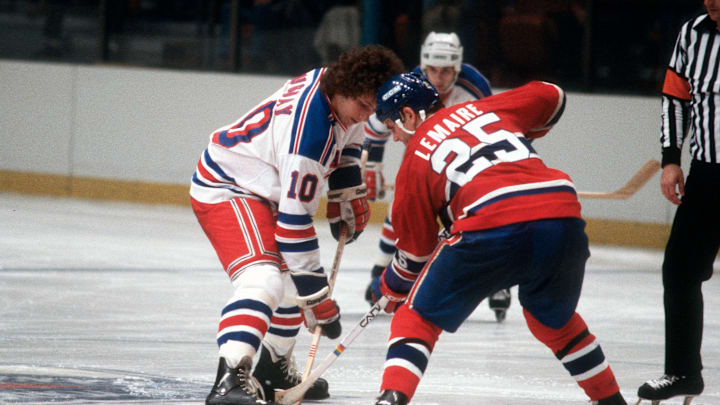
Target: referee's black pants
689,255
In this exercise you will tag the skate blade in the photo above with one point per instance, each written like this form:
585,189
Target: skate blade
686,401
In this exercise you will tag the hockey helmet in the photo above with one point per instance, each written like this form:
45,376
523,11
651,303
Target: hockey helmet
441,49
406,89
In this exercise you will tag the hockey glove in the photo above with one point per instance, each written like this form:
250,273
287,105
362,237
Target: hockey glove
373,172
380,288
318,309
347,202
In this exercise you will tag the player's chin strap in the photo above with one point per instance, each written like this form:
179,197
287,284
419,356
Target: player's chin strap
399,123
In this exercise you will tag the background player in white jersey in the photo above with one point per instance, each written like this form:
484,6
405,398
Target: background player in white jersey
441,61
511,221
255,191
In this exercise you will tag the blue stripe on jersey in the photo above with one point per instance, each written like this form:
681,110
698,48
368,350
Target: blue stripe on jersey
211,163
409,353
288,310
294,219
248,304
317,129
313,135
556,189
242,336
472,80
201,183
585,363
305,246
354,152
299,110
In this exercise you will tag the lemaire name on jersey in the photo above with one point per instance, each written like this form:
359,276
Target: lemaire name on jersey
442,130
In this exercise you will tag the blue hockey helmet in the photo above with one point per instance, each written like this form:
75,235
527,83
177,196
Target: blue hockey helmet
406,89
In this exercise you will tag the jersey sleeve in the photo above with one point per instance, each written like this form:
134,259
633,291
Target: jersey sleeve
538,106
675,103
415,225
301,181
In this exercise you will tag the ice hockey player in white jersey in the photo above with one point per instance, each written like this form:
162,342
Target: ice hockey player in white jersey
255,191
441,61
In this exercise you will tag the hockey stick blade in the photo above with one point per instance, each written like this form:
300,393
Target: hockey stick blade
628,190
295,394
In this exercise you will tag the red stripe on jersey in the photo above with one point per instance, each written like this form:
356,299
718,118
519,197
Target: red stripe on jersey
676,86
305,233
206,174
244,320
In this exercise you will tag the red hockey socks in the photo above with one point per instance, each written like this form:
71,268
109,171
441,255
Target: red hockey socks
412,339
579,353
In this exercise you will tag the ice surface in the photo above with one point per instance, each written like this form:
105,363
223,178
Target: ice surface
118,303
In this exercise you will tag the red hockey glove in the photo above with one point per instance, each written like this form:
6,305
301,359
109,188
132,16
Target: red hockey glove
320,310
353,213
375,181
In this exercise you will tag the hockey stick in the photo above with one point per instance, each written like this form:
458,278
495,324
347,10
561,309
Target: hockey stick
637,181
333,271
295,394
331,283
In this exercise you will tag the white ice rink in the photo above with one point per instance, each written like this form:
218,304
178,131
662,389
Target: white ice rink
119,303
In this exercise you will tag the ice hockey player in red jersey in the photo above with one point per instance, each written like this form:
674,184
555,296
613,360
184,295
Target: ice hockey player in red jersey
255,191
508,219
441,61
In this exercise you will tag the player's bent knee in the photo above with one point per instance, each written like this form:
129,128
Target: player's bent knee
407,323
263,282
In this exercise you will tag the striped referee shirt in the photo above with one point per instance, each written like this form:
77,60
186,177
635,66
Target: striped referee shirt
691,93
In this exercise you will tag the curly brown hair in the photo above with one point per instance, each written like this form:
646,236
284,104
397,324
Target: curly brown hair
360,71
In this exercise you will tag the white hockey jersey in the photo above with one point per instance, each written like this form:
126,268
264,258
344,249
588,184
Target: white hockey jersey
282,151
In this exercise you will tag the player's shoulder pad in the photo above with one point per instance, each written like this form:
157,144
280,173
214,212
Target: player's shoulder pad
473,81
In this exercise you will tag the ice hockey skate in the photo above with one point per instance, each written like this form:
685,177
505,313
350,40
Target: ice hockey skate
392,397
499,302
235,385
280,372
669,386
616,399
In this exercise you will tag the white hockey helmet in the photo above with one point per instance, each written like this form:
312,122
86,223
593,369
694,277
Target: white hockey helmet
441,49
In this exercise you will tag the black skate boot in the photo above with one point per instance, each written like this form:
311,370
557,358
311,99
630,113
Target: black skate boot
279,372
616,399
235,385
392,397
669,386
376,272
499,302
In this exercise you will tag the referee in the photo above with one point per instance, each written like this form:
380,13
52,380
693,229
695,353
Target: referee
691,106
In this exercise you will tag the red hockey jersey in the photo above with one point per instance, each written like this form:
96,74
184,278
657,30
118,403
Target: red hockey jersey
473,165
